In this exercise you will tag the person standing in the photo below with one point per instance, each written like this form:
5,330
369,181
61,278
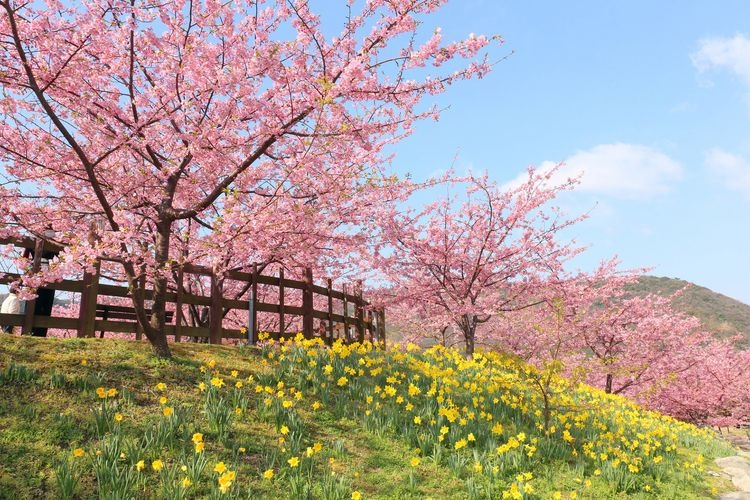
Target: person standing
45,299
11,305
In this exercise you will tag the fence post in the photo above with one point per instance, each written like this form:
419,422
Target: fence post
252,313
282,326
87,312
345,313
307,305
370,325
178,303
360,309
142,288
36,264
216,311
381,327
329,339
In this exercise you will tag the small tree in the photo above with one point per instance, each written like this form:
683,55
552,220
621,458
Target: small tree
139,117
475,257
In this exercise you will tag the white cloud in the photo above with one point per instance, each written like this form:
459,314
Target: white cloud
733,170
618,170
728,53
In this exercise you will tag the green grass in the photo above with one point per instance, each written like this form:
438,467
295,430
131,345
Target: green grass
48,395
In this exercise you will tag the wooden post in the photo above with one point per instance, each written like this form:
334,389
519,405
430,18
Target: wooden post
376,327
282,326
346,315
216,311
370,325
142,287
252,312
178,303
36,264
360,310
87,312
105,315
381,327
307,305
329,338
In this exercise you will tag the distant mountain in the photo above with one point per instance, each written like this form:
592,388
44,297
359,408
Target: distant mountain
719,313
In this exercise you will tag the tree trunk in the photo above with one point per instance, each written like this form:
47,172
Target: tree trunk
154,330
608,386
469,345
469,328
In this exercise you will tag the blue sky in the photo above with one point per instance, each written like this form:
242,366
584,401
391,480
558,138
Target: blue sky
650,99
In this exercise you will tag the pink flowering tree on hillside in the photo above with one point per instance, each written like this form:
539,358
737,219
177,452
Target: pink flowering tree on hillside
543,333
464,260
639,346
123,122
715,391
639,343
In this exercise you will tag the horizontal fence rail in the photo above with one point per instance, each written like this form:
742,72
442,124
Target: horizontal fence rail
357,321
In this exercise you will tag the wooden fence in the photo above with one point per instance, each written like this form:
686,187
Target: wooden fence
355,321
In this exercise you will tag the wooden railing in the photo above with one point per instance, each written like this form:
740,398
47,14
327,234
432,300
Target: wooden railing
357,325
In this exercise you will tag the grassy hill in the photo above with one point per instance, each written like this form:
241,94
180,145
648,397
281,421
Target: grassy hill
718,312
95,417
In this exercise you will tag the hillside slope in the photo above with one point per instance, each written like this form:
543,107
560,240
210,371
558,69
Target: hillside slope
720,313
87,417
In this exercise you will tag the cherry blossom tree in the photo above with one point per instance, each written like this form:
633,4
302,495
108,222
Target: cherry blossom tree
637,346
715,391
133,128
465,259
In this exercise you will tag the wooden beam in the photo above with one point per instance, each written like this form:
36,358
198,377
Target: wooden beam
307,305
329,290
28,322
217,310
178,303
346,314
282,325
142,288
252,331
360,312
87,312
